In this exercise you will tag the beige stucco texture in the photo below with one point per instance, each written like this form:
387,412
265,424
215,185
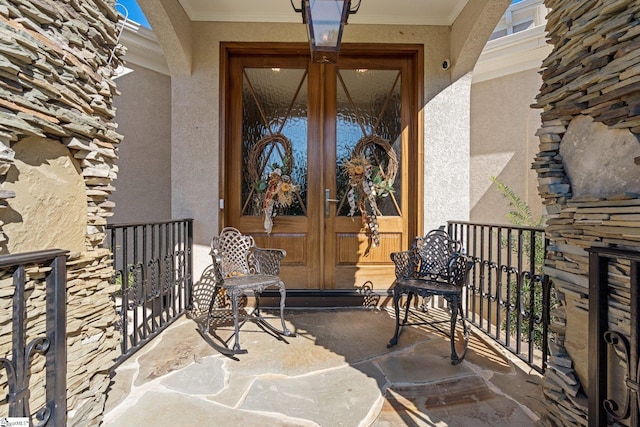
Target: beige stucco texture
503,144
144,156
49,201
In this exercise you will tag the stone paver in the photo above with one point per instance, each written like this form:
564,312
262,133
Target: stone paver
204,378
337,371
416,364
337,397
463,401
160,409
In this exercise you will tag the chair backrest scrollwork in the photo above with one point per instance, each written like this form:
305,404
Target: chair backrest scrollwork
435,251
232,249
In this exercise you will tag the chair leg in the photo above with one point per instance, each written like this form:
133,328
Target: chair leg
397,294
406,308
256,296
211,304
284,331
283,296
236,321
453,306
457,354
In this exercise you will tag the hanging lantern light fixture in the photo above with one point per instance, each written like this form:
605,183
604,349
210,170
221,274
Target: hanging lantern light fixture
325,20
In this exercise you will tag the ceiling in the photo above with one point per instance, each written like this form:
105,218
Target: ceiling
404,12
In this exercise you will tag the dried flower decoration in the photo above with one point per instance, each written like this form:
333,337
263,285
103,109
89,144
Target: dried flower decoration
271,179
277,191
368,182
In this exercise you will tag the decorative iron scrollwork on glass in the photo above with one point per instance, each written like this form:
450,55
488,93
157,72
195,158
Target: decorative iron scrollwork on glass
274,147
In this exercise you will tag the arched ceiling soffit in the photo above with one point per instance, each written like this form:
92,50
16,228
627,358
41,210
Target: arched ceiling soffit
470,32
172,27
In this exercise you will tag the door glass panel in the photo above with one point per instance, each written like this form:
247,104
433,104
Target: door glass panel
274,137
368,112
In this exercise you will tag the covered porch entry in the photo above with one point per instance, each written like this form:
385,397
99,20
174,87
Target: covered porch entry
322,160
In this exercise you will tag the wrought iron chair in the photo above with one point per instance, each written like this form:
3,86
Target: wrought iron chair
434,265
239,267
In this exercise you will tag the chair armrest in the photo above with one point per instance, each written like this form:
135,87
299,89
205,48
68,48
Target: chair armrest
216,257
267,261
405,264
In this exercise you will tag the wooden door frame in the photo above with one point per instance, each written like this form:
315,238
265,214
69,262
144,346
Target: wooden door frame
415,174
339,231
411,52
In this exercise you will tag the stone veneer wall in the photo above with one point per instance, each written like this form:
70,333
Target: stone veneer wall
588,172
56,65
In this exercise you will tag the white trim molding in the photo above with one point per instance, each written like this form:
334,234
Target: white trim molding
143,48
517,51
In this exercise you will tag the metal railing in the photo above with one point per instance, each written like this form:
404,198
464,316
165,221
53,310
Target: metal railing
153,266
21,376
614,274
508,297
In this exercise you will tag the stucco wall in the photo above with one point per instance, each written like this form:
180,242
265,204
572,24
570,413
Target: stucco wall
446,155
144,118
503,144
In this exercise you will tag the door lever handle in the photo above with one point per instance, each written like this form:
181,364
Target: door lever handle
327,200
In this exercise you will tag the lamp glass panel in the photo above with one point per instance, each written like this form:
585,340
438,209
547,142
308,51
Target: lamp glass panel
325,16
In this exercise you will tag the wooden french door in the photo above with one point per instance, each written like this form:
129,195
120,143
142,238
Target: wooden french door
322,160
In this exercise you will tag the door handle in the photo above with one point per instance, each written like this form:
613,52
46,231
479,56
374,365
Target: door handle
327,199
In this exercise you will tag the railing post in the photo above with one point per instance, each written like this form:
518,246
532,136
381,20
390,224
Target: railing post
474,278
532,291
56,334
635,330
18,401
598,312
546,319
546,309
189,275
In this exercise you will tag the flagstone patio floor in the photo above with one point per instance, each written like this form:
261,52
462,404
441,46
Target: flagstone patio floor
337,371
